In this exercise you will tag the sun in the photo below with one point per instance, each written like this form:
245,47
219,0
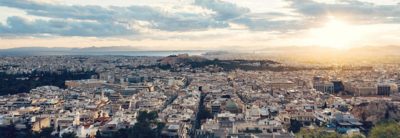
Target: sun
334,33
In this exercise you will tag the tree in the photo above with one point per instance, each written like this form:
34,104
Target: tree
295,125
142,130
69,135
147,126
147,116
25,133
325,105
98,134
159,129
204,114
11,85
355,136
343,108
122,133
8,131
45,133
316,133
385,129
58,128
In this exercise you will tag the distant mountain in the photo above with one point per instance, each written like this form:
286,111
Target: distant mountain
129,50
93,48
105,49
216,53
374,49
370,50
297,49
34,49
25,51
110,50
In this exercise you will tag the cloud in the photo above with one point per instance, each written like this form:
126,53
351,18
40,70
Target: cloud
256,22
180,21
94,17
20,26
98,21
314,14
362,12
260,24
224,10
59,11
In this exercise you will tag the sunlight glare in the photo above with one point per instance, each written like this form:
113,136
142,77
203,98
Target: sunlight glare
335,33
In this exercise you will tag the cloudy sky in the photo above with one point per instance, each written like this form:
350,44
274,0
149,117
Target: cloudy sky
199,24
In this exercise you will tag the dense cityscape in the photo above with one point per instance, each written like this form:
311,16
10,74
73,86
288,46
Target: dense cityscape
199,68
194,96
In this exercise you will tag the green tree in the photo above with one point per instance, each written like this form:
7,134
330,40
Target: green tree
69,135
343,108
147,126
142,130
25,133
121,133
58,128
8,131
325,105
295,125
385,129
98,134
316,133
355,136
45,133
147,116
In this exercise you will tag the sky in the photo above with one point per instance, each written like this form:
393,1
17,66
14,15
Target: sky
199,24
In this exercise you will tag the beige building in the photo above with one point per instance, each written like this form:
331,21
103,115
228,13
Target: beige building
280,84
40,123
